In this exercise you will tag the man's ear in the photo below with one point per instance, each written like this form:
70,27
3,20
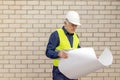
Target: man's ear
66,22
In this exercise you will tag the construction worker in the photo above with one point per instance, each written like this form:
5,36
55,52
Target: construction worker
63,39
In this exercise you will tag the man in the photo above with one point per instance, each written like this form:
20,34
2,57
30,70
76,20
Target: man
63,39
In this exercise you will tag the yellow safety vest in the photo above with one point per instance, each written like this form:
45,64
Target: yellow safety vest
65,44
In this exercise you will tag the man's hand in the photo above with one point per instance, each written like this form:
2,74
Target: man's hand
62,54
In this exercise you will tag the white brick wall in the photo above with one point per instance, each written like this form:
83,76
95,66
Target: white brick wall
25,27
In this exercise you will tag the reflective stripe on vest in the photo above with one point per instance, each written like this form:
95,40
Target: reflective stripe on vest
65,44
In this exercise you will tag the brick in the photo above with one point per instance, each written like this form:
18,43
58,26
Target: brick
99,7
21,57
48,79
31,75
75,7
111,7
104,39
39,16
33,57
105,3
98,43
81,3
87,34
44,75
37,61
26,7
87,7
14,78
21,75
86,43
27,34
109,78
38,7
110,34
26,44
115,74
86,17
115,3
82,12
51,16
45,66
9,2
51,7
33,2
99,34
27,70
86,78
63,7
27,61
115,30
8,75
57,2
45,3
4,34
69,3
15,61
92,21
97,78
104,21
93,3
21,30
3,7
3,43
15,16
33,12
35,66
33,48
57,12
34,39
8,21
4,16
4,70
21,39
9,57
26,78
92,30
92,39
14,25
115,48
109,70
93,12
38,70
21,12
98,16
105,12
26,17
20,2
21,66
15,7
57,21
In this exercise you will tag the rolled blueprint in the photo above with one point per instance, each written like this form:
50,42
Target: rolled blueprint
83,61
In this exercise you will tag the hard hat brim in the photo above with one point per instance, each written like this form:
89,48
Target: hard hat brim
78,24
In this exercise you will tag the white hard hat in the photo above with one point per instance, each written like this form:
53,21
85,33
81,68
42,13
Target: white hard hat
73,17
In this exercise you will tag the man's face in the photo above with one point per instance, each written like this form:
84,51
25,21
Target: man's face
70,27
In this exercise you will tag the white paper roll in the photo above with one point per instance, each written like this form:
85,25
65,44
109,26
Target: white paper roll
83,61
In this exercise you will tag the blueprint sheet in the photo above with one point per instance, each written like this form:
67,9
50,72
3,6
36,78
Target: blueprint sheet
83,61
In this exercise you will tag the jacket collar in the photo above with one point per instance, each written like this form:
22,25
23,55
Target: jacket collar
66,32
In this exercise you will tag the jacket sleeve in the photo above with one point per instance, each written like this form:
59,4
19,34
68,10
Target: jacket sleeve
51,46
